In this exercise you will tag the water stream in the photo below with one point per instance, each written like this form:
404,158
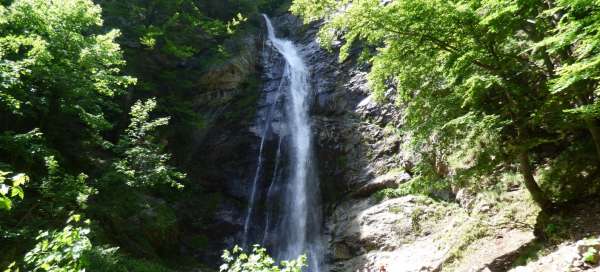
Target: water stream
292,221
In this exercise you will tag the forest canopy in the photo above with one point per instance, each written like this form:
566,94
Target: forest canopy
87,90
486,85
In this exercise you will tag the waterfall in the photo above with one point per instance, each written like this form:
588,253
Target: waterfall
292,223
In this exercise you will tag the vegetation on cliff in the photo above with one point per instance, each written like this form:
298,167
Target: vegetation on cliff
487,86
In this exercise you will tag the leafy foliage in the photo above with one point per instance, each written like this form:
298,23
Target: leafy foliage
61,82
14,190
67,145
144,162
59,72
591,256
171,46
61,251
71,249
168,26
485,83
237,261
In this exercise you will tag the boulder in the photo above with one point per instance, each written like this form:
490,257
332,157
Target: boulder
584,245
397,235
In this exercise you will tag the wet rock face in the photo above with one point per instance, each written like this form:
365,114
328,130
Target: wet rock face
221,156
353,145
416,233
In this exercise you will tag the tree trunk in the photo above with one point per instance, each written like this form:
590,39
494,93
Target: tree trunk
595,131
534,189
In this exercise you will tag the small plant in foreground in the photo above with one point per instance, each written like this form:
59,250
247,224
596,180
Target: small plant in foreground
258,261
591,256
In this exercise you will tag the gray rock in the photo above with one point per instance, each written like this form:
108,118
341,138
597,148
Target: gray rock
341,252
564,258
584,245
465,198
391,180
384,236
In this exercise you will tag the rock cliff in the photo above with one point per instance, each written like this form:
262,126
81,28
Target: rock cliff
360,154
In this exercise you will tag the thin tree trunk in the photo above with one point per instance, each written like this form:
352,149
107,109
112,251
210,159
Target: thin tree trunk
595,131
534,189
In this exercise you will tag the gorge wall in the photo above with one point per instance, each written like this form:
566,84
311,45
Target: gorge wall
359,153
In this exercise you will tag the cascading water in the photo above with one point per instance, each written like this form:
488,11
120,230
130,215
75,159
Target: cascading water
292,222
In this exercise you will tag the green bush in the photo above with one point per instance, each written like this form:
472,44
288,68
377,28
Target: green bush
61,251
257,261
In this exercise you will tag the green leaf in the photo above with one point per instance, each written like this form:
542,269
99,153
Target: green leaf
591,256
20,179
17,191
5,203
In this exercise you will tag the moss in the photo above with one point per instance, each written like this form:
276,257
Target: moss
390,129
415,219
